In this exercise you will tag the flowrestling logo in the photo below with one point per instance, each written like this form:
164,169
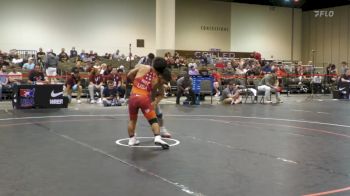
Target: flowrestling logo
324,13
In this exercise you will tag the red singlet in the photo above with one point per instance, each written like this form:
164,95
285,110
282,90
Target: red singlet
141,96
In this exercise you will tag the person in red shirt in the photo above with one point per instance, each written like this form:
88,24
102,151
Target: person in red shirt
116,77
73,84
96,83
217,81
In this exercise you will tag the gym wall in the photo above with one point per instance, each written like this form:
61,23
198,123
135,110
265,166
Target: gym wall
266,29
103,26
328,36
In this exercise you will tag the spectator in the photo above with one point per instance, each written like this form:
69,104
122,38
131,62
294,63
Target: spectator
17,60
343,67
84,56
77,67
3,62
36,76
104,70
116,77
4,82
332,73
344,84
230,95
96,83
15,77
116,55
73,53
41,56
73,84
193,70
29,65
110,95
269,84
147,60
229,69
130,57
63,56
184,86
316,83
51,64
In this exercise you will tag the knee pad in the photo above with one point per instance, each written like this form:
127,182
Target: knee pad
152,121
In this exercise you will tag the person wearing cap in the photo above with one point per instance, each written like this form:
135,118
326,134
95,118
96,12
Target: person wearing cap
73,85
29,65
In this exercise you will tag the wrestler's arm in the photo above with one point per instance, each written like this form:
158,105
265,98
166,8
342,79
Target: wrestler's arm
160,94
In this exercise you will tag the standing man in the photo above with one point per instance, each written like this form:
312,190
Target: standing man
145,78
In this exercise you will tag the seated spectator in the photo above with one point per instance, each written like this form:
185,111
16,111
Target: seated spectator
343,67
110,95
220,64
269,84
96,83
3,62
73,85
184,86
267,68
116,77
130,57
63,56
4,82
229,69
29,65
15,77
193,71
230,95
77,67
116,55
344,84
17,60
84,56
103,70
36,76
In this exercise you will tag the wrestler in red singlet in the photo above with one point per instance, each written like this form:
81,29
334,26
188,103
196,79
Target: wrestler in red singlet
145,78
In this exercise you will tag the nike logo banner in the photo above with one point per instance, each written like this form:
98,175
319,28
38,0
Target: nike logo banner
53,94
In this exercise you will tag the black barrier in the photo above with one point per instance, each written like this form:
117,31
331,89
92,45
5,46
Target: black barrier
39,96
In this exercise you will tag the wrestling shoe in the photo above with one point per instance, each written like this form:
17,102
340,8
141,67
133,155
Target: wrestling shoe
164,133
159,142
133,141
